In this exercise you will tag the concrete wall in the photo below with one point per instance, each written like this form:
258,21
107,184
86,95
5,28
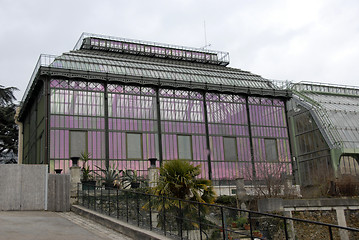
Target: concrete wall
23,187
278,204
59,193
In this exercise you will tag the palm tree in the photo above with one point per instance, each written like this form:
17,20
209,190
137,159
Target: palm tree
178,179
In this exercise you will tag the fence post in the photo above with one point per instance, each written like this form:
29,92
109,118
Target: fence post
101,201
83,197
109,201
78,192
117,210
138,209
126,206
199,220
150,205
285,228
164,215
223,230
180,219
250,224
88,197
330,233
95,198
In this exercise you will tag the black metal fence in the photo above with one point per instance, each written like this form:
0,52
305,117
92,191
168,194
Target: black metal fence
181,219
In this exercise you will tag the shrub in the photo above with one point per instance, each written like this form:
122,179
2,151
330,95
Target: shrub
227,200
348,185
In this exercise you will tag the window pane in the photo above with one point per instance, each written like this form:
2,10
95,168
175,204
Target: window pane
230,149
271,150
134,149
184,147
78,141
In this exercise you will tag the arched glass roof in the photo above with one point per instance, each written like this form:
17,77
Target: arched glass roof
337,108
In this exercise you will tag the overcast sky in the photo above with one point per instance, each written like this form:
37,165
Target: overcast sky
299,40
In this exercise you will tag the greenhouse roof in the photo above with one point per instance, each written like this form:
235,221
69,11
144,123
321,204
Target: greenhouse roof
147,67
136,62
337,108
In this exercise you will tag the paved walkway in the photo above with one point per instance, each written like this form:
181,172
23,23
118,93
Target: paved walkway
41,225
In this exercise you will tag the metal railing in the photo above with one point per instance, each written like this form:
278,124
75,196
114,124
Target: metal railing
44,60
182,219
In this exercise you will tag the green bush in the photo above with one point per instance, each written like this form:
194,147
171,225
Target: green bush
227,200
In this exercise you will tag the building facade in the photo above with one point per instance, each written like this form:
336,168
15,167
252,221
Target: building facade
125,101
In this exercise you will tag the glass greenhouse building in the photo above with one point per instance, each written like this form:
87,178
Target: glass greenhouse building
324,122
125,101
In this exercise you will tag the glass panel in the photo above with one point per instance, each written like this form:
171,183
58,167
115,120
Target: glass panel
77,143
271,150
348,165
230,149
184,147
134,146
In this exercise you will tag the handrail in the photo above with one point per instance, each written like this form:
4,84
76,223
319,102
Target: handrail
138,208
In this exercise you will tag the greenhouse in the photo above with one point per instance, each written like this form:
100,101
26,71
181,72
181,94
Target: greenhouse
126,101
324,128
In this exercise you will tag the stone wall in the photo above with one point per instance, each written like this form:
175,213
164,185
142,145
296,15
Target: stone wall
337,211
308,231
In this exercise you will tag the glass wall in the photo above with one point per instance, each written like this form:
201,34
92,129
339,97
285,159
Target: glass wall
235,125
133,127
313,153
183,127
77,122
269,137
229,137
